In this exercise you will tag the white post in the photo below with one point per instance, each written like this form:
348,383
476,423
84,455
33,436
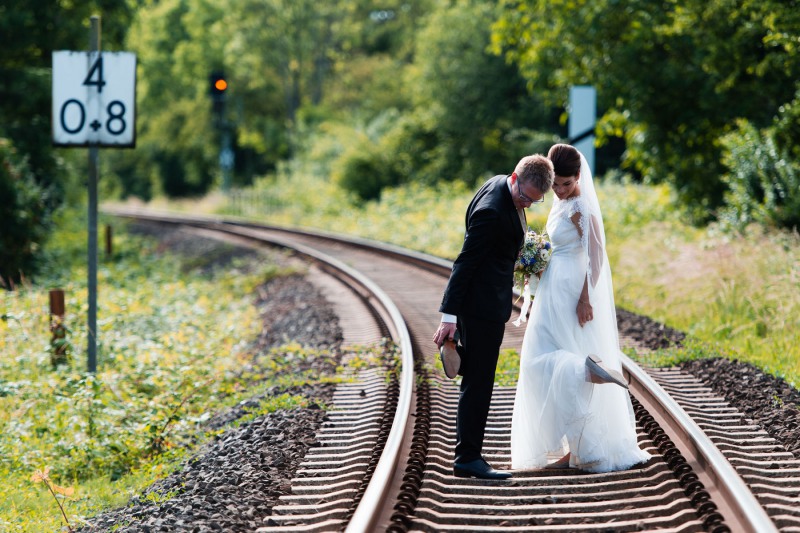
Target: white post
582,120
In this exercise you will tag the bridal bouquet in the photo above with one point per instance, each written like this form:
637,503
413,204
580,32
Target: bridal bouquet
532,260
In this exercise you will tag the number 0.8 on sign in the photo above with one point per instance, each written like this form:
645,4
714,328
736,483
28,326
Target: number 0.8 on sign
94,99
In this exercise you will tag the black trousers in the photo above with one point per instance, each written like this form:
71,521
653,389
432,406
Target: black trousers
481,340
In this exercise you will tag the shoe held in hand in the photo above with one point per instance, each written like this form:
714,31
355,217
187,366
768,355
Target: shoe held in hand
451,360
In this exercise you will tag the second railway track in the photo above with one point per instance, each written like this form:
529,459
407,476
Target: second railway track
712,470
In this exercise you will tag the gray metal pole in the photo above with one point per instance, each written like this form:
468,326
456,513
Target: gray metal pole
226,156
94,46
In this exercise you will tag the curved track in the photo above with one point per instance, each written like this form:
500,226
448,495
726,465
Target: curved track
385,455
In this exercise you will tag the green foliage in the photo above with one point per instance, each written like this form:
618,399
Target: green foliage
288,67
425,135
31,31
472,111
399,216
364,170
671,77
508,367
786,127
764,182
25,111
25,216
174,347
176,51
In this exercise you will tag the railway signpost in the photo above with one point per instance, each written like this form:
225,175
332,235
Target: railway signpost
582,120
94,105
94,100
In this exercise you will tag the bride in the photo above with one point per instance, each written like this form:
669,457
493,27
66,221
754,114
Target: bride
571,399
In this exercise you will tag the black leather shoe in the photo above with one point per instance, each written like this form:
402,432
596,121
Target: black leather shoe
450,354
479,469
451,359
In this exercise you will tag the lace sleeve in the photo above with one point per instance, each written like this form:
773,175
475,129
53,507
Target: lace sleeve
591,239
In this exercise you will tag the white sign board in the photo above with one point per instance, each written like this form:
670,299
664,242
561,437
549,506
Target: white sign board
582,119
94,99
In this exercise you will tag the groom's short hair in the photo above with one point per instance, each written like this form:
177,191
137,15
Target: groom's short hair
536,170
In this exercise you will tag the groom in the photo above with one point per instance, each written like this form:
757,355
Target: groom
478,297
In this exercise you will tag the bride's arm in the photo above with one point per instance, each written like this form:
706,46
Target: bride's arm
584,307
596,251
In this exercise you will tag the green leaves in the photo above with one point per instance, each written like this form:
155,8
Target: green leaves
681,73
26,216
170,346
764,180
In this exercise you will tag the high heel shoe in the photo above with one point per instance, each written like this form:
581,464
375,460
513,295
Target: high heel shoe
600,373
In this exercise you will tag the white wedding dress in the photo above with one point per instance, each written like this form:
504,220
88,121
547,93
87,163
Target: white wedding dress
556,410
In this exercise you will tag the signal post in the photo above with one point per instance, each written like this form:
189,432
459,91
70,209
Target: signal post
218,88
94,105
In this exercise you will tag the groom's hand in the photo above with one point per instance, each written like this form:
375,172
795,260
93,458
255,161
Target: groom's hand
445,332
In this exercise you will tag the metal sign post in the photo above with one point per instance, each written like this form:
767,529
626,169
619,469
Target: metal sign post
582,120
94,105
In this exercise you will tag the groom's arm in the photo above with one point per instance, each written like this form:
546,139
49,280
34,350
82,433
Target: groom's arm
478,242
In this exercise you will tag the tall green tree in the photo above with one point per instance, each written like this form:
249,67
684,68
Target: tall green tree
481,112
278,57
178,43
31,30
673,76
33,181
25,215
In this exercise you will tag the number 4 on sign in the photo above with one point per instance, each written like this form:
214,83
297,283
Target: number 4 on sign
94,99
96,70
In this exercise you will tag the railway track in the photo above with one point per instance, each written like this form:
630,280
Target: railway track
385,455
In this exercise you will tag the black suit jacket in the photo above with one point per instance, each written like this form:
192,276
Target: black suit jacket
483,273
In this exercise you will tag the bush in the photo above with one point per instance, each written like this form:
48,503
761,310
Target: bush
364,168
25,216
764,180
364,171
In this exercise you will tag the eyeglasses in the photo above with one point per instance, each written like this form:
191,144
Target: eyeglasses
525,198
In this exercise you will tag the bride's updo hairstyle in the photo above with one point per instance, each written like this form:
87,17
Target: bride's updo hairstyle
566,160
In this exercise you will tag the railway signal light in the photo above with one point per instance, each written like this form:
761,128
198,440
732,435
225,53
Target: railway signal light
218,85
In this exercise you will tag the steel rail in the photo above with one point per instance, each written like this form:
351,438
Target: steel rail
738,504
367,512
741,510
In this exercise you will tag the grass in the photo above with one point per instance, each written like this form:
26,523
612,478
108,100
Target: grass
173,337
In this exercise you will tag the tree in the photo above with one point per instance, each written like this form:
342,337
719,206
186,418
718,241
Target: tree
31,30
672,76
177,43
33,181
475,108
25,216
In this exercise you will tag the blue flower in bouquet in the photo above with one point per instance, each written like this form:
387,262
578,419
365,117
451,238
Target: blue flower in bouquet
533,257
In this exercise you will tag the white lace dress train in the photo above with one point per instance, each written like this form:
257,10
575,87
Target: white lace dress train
556,410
